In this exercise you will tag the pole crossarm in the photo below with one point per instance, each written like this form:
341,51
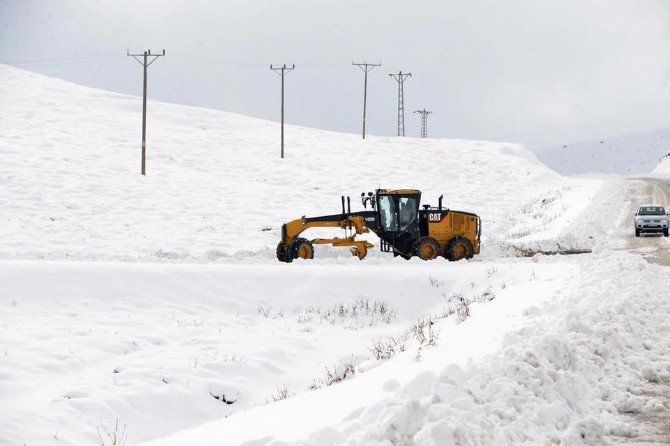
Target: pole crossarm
283,70
366,68
400,78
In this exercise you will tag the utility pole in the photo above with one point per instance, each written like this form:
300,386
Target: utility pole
400,78
366,67
282,71
424,121
145,64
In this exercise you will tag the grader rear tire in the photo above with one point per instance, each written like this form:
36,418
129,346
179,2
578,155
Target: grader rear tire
301,248
427,248
459,248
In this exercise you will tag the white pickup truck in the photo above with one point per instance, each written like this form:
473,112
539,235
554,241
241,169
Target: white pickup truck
651,219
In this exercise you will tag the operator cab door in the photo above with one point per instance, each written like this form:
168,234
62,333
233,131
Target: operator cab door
399,220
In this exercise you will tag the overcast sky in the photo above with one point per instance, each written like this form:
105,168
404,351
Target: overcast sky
533,71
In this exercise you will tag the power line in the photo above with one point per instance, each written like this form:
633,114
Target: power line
57,59
424,121
249,64
400,78
366,67
145,64
282,71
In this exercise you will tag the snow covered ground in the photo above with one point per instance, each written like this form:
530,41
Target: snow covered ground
632,154
662,170
156,301
216,189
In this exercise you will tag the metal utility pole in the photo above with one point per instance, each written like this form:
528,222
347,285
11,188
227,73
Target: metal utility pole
282,71
366,67
145,64
400,78
424,121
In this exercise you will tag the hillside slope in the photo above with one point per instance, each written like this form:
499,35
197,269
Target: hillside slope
632,154
216,188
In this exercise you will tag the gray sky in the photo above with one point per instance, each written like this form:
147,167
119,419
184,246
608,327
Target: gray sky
533,71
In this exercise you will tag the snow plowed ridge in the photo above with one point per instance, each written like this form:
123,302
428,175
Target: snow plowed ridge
216,189
587,364
574,376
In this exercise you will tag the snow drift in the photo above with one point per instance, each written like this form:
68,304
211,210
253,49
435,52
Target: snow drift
165,347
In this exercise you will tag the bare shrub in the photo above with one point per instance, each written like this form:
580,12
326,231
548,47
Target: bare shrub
282,393
116,437
360,313
435,282
264,310
341,371
463,309
424,332
269,312
387,348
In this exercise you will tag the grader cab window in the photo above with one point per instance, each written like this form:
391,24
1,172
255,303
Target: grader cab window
408,212
387,214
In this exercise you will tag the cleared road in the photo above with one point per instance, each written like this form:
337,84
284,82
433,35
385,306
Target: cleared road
656,249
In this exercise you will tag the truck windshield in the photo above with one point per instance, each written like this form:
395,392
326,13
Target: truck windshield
651,210
387,214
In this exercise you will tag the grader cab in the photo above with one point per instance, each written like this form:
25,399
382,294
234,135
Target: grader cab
403,227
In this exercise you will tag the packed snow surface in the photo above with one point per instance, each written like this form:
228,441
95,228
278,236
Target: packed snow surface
157,301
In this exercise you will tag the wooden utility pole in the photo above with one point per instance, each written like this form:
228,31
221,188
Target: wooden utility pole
366,67
145,64
282,71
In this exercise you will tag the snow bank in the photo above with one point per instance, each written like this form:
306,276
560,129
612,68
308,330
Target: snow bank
580,216
216,189
663,167
581,371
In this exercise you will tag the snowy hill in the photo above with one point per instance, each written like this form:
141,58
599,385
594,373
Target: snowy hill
216,188
245,348
632,154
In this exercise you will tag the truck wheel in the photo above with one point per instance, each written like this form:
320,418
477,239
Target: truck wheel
458,248
281,252
637,232
426,248
301,248
665,232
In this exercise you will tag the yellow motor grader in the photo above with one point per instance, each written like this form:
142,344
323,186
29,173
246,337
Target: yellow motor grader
402,227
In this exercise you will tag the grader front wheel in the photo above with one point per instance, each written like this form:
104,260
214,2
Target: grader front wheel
301,248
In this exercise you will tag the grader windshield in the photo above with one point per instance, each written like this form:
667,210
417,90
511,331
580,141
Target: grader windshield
388,214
